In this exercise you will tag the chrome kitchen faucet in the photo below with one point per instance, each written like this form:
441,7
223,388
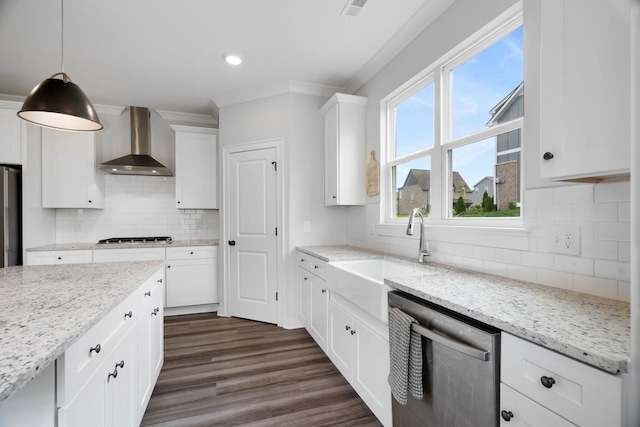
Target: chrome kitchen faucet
424,245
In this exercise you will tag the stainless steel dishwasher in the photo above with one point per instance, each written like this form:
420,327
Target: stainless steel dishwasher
461,368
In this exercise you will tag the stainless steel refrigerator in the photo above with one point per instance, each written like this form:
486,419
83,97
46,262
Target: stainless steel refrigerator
10,216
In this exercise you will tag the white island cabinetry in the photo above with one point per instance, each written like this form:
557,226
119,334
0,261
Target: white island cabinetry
105,378
196,167
70,178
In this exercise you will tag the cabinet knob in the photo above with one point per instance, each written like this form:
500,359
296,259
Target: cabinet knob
347,327
97,349
232,242
324,291
147,294
316,266
353,332
178,201
59,257
547,156
506,415
191,253
160,280
302,260
129,314
120,365
89,201
335,197
113,374
306,278
168,266
155,311
548,382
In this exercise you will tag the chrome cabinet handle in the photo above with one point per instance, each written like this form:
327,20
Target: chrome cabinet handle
97,349
451,343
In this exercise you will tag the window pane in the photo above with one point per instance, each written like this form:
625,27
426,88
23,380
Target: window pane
414,122
412,181
475,191
484,85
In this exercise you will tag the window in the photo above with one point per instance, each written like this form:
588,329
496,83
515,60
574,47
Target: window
454,134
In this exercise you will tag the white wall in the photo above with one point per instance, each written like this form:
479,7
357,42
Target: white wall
602,211
295,119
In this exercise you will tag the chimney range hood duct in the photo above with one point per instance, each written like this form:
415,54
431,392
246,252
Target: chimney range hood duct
139,162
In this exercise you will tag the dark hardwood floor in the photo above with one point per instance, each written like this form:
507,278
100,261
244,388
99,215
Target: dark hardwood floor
222,371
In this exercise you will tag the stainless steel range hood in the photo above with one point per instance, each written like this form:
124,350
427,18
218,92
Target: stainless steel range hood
139,162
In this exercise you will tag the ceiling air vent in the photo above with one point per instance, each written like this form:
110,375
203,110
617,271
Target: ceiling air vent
353,8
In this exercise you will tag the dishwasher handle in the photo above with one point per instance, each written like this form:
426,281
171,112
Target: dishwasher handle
451,343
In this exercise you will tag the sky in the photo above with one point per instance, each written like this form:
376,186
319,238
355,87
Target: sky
477,86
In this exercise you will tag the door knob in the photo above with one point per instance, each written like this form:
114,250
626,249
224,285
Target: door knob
232,242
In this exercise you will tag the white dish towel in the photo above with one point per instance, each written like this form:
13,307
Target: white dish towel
405,346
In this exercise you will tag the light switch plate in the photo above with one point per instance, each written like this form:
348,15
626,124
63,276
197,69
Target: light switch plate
307,226
565,239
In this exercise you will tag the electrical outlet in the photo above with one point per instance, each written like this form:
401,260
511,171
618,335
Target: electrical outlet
566,240
307,226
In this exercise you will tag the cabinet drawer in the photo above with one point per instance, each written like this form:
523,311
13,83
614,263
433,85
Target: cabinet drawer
133,254
303,261
578,392
518,410
317,267
192,252
81,360
60,257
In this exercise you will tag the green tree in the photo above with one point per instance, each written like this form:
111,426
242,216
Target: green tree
487,203
460,206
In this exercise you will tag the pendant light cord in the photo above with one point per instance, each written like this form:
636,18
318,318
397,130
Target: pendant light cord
62,36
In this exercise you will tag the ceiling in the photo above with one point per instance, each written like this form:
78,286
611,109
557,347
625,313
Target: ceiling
167,54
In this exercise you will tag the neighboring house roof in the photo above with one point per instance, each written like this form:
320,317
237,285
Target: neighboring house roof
490,178
503,106
422,177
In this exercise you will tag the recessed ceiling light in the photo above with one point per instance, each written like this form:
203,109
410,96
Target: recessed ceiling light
232,59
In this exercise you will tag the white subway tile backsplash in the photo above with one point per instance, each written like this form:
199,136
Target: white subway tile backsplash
571,194
573,264
136,205
624,251
557,279
624,291
602,249
612,192
537,260
595,211
617,270
618,231
508,256
606,288
624,211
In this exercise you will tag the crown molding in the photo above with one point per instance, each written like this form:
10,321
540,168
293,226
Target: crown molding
273,89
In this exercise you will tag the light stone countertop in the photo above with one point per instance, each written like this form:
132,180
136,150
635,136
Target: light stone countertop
591,329
44,309
91,246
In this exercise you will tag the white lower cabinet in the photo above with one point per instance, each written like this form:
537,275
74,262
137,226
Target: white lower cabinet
524,412
107,375
545,380
362,357
318,298
191,276
304,288
150,340
83,256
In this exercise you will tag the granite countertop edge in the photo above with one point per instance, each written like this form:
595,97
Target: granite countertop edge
92,246
19,365
609,352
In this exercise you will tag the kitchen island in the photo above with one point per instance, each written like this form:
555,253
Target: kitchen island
45,309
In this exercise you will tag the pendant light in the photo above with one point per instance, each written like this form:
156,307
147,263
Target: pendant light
59,103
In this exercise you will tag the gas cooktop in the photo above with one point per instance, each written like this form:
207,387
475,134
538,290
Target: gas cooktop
155,239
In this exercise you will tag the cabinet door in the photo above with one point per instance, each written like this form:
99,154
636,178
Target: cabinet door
331,178
340,340
584,76
10,142
70,178
303,300
318,311
191,282
59,257
520,411
196,169
123,388
371,368
88,408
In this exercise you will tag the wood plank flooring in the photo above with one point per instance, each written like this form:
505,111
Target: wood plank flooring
221,371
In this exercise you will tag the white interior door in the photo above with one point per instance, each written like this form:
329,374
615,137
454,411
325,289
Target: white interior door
252,234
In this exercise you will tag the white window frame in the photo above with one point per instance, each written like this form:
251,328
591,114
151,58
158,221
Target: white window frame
438,73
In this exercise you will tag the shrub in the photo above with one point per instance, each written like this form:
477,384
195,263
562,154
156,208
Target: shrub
460,206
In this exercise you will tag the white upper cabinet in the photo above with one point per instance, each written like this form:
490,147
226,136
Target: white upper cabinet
10,140
585,97
196,167
345,155
70,178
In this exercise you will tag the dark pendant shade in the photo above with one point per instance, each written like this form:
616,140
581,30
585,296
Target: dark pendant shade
60,104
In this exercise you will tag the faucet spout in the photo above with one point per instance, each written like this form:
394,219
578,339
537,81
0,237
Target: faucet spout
424,245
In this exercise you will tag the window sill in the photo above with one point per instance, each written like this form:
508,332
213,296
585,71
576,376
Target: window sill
515,237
